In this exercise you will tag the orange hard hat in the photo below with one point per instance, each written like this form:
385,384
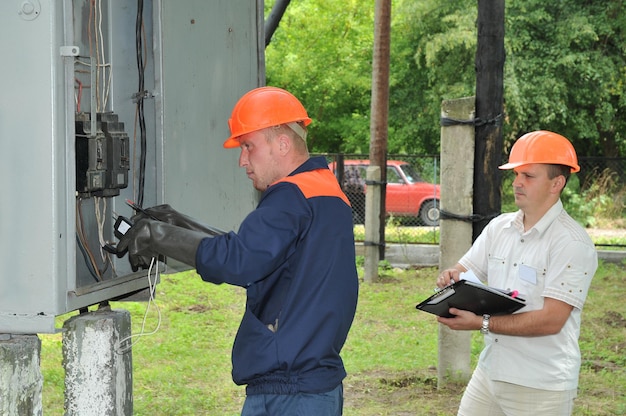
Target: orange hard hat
542,147
261,108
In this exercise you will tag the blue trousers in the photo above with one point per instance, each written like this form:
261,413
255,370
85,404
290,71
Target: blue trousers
301,404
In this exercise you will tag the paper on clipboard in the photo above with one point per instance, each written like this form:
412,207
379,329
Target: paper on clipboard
470,277
449,291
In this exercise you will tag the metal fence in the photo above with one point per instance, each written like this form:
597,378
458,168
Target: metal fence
412,186
596,196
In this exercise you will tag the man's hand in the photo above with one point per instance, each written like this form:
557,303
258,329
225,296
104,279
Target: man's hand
169,215
462,320
546,321
149,238
447,277
137,242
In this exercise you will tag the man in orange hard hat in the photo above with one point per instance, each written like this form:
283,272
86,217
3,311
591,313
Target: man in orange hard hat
531,360
294,254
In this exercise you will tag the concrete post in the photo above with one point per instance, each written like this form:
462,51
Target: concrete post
21,382
372,223
98,373
457,171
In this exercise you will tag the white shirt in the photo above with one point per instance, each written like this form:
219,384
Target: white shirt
555,259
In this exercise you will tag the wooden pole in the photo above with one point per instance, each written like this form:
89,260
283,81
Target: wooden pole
489,111
380,107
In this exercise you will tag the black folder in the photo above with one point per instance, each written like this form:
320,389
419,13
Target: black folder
473,297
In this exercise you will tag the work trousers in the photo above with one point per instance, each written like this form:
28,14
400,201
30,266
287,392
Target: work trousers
484,397
300,404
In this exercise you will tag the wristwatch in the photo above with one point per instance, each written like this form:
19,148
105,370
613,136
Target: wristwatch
485,328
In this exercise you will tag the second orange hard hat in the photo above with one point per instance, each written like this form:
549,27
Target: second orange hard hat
542,147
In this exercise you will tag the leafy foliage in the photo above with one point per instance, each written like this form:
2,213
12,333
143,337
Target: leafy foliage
322,53
594,200
599,203
433,47
565,70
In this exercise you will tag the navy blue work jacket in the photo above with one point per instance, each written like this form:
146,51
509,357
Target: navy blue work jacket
294,254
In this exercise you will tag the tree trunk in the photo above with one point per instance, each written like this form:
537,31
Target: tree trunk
380,103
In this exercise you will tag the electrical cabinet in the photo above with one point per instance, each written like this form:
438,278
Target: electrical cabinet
105,101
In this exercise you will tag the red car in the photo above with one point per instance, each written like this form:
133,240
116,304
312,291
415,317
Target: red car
408,195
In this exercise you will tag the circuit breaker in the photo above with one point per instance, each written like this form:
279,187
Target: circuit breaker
102,155
105,101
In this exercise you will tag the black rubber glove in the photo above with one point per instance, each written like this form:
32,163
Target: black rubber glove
169,215
149,238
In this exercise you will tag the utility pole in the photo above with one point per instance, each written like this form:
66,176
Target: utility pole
375,247
490,57
457,166
454,346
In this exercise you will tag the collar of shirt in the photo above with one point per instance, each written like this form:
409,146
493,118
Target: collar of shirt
542,225
312,163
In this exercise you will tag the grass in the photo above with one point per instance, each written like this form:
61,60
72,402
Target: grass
403,235
613,237
390,355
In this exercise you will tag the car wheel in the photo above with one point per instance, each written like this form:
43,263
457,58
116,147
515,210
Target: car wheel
429,213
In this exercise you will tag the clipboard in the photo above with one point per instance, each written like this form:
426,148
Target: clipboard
473,297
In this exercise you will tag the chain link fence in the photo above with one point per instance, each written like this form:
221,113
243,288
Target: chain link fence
412,186
595,196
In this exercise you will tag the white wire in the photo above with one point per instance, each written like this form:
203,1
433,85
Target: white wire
100,218
97,42
152,288
103,62
105,67
106,93
79,62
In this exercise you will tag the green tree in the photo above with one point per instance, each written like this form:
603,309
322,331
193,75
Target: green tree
322,52
565,70
433,48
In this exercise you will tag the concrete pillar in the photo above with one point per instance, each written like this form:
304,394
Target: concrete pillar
457,172
372,223
98,373
21,382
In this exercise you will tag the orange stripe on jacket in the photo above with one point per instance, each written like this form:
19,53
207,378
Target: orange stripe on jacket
318,182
